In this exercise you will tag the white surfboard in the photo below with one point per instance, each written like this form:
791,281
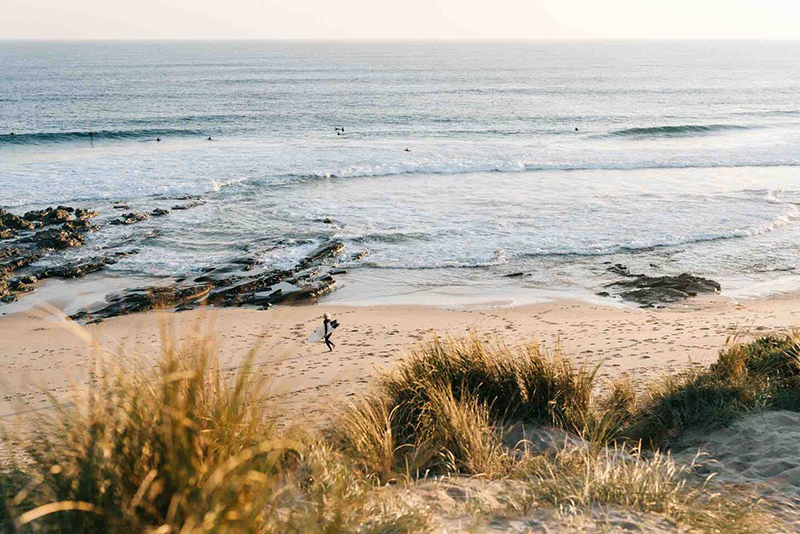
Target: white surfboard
319,334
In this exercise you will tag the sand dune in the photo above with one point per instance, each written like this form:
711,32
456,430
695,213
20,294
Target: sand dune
762,448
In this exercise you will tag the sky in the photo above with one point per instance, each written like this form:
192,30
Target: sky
400,19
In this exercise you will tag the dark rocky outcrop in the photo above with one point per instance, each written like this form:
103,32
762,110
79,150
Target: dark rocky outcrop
58,238
82,214
232,285
11,260
322,253
15,222
50,215
131,218
147,298
188,205
81,268
239,282
651,291
358,256
621,269
64,227
80,225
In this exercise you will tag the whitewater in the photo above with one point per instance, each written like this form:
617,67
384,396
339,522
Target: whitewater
460,164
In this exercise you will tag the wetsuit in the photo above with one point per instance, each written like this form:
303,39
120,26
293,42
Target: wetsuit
328,331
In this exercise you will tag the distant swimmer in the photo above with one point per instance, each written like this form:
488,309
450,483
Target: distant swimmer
338,129
209,138
91,134
158,139
408,150
12,133
576,128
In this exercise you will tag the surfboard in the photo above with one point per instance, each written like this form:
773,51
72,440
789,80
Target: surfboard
320,332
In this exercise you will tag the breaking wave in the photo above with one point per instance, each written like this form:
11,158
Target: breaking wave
684,130
42,138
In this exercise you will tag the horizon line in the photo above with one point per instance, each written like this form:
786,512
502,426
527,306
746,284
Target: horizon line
464,40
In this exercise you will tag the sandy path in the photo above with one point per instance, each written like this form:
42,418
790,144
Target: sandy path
37,354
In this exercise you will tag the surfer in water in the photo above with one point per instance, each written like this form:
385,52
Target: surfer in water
328,330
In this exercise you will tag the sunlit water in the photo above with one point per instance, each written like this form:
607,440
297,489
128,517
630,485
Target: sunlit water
460,163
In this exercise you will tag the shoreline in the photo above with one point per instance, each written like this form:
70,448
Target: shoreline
40,355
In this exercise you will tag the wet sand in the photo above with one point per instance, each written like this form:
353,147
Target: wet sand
38,354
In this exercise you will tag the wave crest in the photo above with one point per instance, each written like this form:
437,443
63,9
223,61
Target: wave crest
41,138
684,130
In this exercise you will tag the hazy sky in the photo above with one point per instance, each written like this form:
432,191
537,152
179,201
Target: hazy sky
399,19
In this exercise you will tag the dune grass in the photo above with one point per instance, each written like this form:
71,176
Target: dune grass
747,377
440,409
181,446
580,480
448,409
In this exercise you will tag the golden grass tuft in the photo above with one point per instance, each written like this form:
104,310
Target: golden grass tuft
182,446
578,480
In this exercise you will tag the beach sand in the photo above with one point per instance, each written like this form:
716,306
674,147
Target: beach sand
40,356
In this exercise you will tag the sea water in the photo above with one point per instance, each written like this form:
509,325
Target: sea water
460,163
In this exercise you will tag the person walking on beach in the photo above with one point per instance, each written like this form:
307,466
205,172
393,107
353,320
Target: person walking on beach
327,331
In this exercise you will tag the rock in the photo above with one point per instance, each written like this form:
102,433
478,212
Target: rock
187,206
7,233
654,290
358,256
76,269
81,268
320,254
236,291
19,286
159,212
16,259
515,275
15,222
226,285
148,298
131,218
83,225
9,253
81,213
337,271
621,269
49,215
121,207
327,220
35,215
58,238
32,247
56,216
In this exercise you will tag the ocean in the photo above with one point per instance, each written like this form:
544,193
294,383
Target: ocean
460,163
